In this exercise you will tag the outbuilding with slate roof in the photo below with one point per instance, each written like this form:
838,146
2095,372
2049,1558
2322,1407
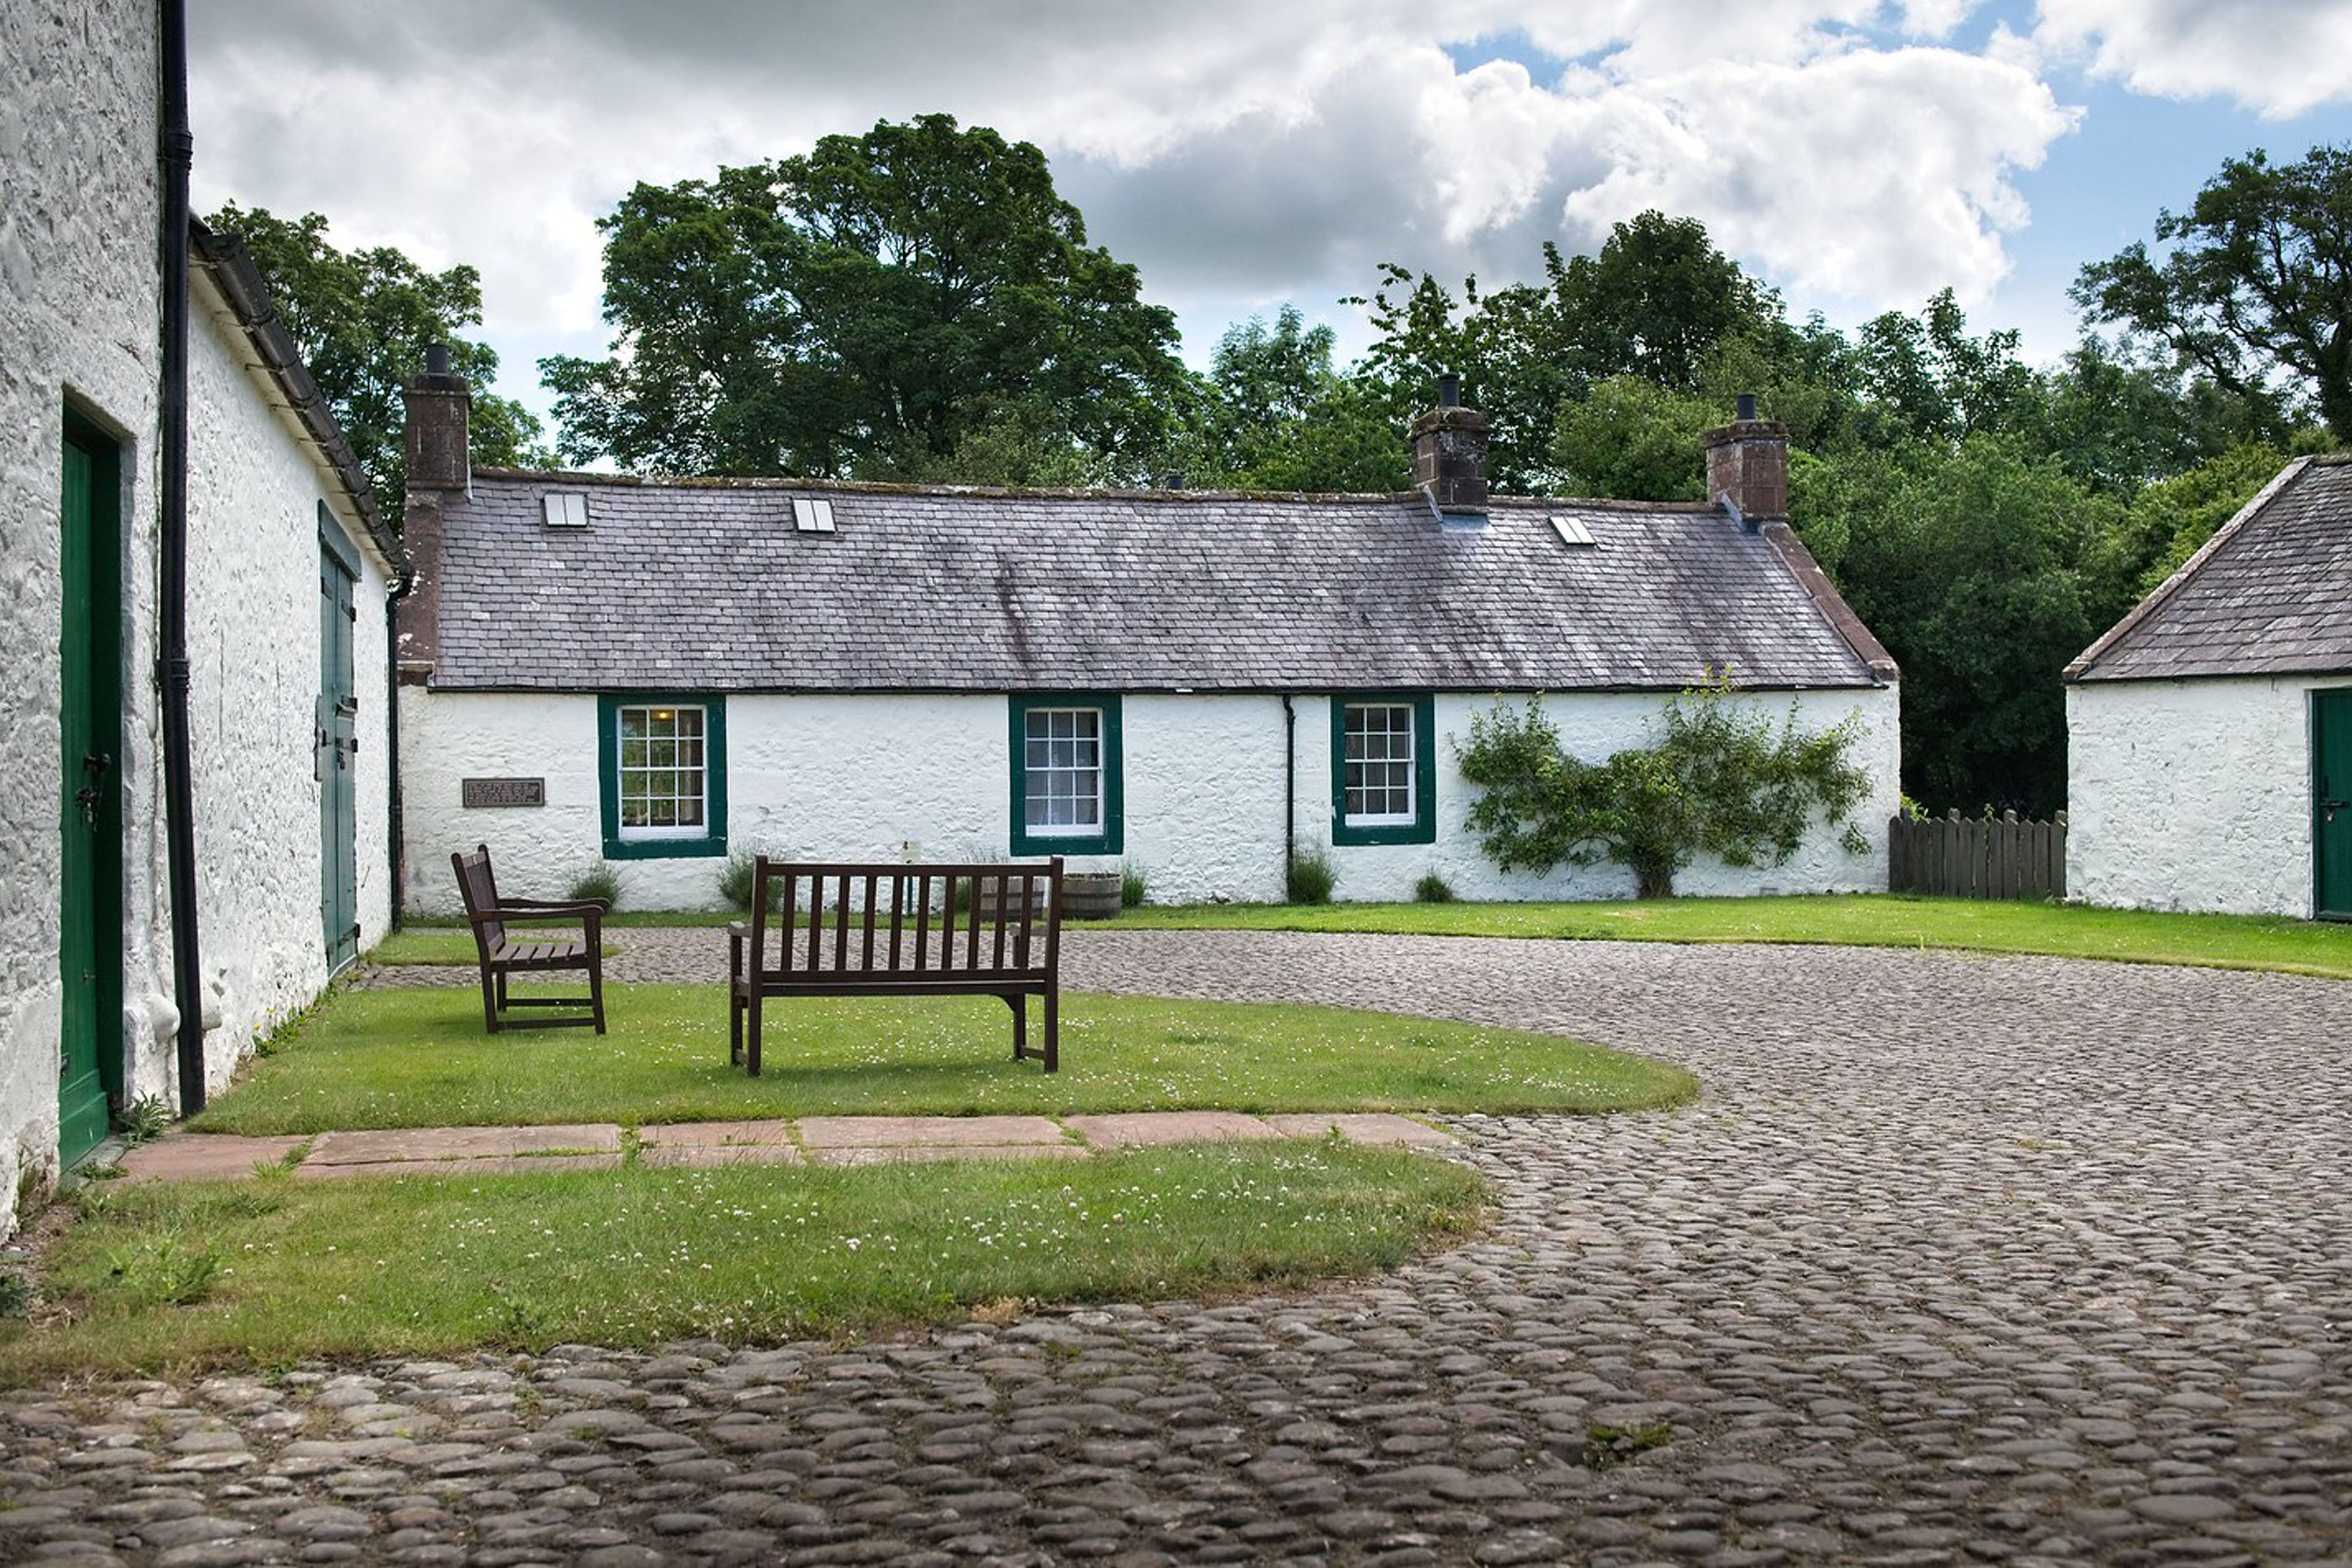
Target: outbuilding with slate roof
2210,732
662,673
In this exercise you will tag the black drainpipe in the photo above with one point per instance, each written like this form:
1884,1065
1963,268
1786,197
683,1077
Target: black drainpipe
1290,791
176,153
393,839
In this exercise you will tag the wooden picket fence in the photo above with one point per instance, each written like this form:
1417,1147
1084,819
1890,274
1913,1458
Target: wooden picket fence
1961,857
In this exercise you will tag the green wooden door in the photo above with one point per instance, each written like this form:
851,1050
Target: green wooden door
2331,803
337,741
90,944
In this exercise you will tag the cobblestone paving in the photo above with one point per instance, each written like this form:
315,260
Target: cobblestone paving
1958,1259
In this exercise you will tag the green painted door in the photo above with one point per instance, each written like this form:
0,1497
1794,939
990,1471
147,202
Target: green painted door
337,741
2331,803
90,944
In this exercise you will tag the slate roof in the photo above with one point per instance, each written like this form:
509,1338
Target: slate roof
707,585
2270,594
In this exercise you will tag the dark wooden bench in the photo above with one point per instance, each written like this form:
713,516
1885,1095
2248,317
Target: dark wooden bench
503,952
842,930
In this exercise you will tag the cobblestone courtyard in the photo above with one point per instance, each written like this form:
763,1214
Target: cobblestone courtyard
1958,1258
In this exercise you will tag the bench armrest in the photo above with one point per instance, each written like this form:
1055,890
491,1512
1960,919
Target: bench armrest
559,906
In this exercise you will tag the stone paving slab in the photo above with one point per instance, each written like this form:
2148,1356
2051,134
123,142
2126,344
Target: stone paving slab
1363,1127
468,1165
903,1154
460,1143
770,1132
205,1156
716,1156
1136,1130
926,1131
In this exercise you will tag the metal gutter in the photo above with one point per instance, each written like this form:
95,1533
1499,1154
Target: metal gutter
175,154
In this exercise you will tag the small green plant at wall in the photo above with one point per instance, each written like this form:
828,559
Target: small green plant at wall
1311,876
1725,780
1433,888
1134,885
145,1119
735,881
600,881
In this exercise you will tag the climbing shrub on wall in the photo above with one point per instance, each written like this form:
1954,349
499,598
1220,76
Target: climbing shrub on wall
1725,780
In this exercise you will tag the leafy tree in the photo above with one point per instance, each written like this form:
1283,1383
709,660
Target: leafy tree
1723,780
1658,301
2258,280
362,319
1634,440
866,310
1974,565
1930,380
1276,415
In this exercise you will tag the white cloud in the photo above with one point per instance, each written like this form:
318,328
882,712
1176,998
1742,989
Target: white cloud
2278,57
1233,150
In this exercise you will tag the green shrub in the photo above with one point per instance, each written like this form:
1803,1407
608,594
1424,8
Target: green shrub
145,1119
1134,885
15,1295
1433,888
601,882
735,881
1311,876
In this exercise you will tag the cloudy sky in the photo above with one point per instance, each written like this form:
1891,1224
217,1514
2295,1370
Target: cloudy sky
1858,155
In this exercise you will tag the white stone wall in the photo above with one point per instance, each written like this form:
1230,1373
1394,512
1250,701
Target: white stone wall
2191,794
254,490
77,322
889,777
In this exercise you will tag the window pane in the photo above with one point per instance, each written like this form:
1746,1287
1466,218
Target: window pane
662,776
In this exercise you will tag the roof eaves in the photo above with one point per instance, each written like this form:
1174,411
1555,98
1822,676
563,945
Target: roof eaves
2138,614
1829,602
224,260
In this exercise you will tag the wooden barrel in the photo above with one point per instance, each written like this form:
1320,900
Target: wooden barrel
1091,895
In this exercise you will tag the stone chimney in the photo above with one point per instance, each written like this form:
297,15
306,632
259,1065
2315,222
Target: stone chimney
1449,451
1748,466
440,406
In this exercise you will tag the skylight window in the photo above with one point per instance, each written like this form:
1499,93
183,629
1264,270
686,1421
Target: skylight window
811,516
565,509
1573,533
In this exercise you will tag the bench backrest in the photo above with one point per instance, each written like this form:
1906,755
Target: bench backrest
976,922
479,891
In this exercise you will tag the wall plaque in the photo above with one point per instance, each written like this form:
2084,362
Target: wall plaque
502,792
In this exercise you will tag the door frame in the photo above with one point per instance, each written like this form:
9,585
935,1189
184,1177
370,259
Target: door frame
90,679
336,745
2331,714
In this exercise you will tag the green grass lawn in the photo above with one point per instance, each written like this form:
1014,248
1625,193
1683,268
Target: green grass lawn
278,1269
1862,920
419,1057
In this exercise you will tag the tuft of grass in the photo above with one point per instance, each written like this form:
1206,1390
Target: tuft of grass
735,881
145,1119
1134,885
1311,876
1433,888
1859,920
419,1058
601,881
437,1265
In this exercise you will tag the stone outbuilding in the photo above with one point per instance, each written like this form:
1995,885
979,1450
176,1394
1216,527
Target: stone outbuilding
2210,732
659,673
196,583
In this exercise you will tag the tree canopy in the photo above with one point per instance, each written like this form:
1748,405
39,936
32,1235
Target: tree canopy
886,306
2257,283
362,319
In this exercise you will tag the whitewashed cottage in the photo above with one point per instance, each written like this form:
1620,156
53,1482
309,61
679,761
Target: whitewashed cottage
659,673
2209,732
195,777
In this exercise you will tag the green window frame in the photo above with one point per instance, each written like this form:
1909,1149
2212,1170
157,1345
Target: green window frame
1066,756
1364,723
663,784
